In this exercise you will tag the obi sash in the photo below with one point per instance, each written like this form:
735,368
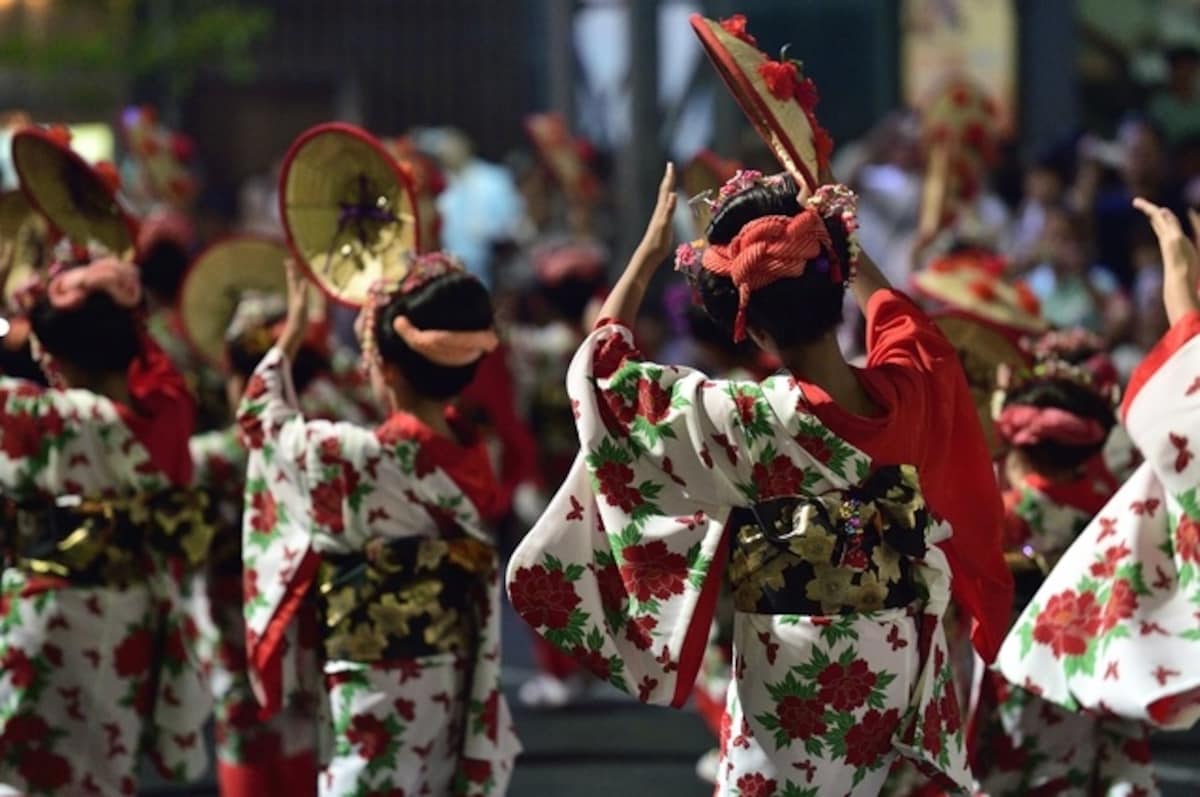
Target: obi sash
406,598
110,541
850,551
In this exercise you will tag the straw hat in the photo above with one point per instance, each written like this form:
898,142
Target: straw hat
349,211
218,280
972,283
29,234
163,157
78,199
562,154
779,101
427,181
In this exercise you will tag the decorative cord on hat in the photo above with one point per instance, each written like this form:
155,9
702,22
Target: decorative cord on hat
1027,425
68,288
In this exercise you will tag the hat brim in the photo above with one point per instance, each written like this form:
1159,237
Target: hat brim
782,125
555,147
216,281
953,289
982,349
70,194
28,232
328,168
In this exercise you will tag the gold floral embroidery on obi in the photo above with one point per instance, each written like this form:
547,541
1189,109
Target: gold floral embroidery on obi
838,552
405,598
108,541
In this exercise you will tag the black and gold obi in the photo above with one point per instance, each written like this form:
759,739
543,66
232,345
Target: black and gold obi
841,552
111,542
406,598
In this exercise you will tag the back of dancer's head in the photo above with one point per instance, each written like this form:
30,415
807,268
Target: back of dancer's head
453,301
1047,449
96,336
792,311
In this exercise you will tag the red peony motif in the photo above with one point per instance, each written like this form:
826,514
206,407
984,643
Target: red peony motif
755,785
19,668
801,719
982,290
43,770
266,513
256,387
617,413
612,588
931,730
594,661
251,428
735,26
871,738
143,696
638,629
611,354
249,584
747,408
949,711
21,730
653,403
20,437
652,570
846,688
815,446
1122,603
134,654
424,463
490,716
1137,750
616,486
1068,623
1187,539
1008,756
330,451
327,506
369,736
544,598
779,479
175,650
476,771
1112,557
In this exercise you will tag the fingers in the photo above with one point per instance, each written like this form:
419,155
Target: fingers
1194,220
666,188
1147,207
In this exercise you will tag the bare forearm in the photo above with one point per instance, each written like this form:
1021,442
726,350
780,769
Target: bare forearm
1179,292
868,280
626,297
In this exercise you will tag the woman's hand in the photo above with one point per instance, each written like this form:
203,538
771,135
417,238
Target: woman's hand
1181,261
623,302
296,325
660,234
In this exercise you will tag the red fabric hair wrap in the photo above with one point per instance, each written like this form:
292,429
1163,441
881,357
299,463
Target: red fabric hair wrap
1025,425
767,249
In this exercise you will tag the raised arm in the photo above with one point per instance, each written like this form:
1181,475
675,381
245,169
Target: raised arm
1181,263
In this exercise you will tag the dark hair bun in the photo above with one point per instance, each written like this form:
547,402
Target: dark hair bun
792,311
455,302
1074,398
98,336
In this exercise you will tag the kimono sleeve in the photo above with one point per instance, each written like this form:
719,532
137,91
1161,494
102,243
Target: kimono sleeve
954,463
277,551
622,570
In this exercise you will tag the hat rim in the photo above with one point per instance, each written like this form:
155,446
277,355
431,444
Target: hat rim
27,184
355,132
755,106
582,189
940,287
193,273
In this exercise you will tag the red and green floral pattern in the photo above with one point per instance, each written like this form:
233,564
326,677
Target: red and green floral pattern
621,573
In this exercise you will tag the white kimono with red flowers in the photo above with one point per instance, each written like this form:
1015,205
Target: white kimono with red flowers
623,571
91,677
1115,628
319,491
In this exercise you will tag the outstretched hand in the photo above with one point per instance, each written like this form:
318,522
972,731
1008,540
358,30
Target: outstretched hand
659,238
1181,261
296,324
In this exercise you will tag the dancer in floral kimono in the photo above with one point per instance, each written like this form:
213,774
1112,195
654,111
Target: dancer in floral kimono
821,492
390,525
98,619
1112,631
1055,420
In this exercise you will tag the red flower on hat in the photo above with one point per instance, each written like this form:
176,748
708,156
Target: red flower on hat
983,290
781,78
108,174
735,26
1026,298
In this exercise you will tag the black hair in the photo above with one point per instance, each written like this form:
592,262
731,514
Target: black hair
98,336
1074,398
794,310
705,330
454,302
245,353
568,297
162,268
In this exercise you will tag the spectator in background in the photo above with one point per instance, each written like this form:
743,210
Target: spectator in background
480,208
1175,109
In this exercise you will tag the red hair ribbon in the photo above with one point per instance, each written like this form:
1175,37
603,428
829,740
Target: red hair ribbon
767,249
1025,425
450,348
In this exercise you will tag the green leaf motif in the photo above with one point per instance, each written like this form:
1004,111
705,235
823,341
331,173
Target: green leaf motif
1026,631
